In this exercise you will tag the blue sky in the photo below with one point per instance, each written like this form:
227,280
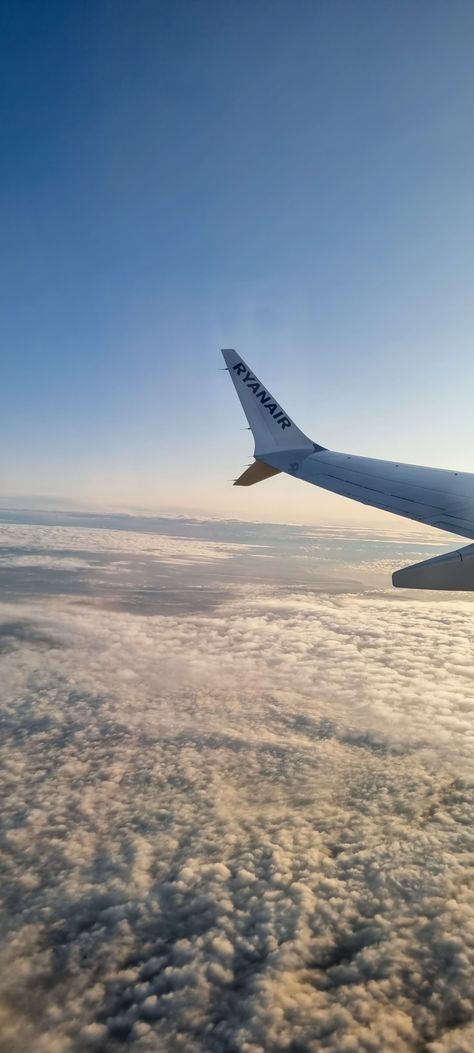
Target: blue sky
292,179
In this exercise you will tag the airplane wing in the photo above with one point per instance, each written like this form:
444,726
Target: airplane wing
434,496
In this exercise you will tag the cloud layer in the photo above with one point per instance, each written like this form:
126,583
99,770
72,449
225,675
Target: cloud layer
240,827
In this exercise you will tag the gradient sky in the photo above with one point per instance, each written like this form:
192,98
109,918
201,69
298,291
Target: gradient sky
291,179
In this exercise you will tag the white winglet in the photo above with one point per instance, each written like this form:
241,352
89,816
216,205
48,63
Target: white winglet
272,428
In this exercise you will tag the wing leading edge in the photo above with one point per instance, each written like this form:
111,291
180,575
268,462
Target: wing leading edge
433,496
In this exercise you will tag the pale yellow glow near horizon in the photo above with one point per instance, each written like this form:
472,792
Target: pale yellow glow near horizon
278,500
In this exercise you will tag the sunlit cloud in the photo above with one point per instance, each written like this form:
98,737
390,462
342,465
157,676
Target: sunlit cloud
239,826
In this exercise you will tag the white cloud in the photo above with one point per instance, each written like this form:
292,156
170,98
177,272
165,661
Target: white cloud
241,830
168,549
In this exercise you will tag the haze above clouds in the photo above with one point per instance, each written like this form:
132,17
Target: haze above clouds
238,793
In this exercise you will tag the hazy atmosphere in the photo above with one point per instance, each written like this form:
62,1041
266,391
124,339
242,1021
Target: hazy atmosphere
236,765
290,179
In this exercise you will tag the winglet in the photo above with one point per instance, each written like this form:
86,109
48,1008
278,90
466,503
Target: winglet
272,428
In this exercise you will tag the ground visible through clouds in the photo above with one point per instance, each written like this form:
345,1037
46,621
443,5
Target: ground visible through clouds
237,790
